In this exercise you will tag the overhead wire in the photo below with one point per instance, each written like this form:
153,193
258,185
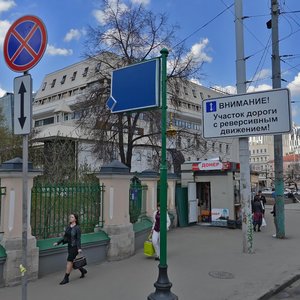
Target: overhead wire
204,25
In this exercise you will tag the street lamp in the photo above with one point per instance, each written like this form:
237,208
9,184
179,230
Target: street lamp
163,285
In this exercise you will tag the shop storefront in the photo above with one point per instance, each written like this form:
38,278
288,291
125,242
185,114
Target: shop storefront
213,191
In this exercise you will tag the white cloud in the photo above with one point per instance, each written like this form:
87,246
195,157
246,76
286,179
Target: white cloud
294,86
229,89
99,16
6,5
51,50
2,92
102,15
74,34
144,2
198,51
263,74
195,80
4,26
261,87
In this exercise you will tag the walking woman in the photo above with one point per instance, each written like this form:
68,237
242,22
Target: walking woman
156,231
258,212
72,237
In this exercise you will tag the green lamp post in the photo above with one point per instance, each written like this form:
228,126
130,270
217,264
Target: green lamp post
163,285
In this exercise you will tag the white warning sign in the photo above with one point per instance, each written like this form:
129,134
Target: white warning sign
259,113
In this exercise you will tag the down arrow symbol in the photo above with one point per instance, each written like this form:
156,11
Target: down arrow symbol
22,119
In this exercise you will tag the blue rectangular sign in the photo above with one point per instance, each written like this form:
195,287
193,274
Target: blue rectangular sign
135,87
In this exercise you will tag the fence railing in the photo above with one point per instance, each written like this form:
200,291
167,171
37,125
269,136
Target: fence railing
137,201
52,204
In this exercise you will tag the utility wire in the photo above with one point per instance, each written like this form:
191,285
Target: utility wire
204,25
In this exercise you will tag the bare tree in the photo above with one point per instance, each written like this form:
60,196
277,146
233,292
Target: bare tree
10,146
129,34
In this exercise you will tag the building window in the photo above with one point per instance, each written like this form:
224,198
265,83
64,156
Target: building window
227,149
178,142
138,156
185,90
53,83
44,86
63,79
220,147
97,68
85,71
74,76
189,142
213,146
194,93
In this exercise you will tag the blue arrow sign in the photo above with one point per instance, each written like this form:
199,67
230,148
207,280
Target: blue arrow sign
135,87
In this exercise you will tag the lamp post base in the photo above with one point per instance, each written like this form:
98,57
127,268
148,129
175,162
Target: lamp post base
163,286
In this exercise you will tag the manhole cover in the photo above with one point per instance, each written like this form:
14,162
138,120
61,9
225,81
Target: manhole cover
221,275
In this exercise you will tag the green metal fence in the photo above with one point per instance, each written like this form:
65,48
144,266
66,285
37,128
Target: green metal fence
137,200
52,204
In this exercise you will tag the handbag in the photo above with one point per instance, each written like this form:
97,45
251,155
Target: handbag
79,262
148,247
263,223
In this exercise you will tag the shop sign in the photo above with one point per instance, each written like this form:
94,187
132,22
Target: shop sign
207,165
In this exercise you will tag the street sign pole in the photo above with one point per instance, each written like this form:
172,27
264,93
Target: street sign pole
24,218
24,45
163,285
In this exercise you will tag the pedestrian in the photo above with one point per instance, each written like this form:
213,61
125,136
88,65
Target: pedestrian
260,197
258,212
72,237
273,212
156,231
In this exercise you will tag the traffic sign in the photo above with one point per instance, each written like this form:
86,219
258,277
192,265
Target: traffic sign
259,113
135,87
22,104
25,43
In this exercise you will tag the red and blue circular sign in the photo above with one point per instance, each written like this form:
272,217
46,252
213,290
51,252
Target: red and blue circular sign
25,43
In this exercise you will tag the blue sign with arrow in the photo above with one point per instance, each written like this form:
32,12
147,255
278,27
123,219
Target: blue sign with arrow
135,87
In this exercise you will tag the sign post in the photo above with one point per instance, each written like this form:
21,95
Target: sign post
137,87
24,45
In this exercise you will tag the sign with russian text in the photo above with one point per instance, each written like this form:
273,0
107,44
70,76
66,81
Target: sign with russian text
207,165
259,113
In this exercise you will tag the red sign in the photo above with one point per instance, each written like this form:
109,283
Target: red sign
25,43
209,165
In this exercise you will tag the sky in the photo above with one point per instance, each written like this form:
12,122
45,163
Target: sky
206,27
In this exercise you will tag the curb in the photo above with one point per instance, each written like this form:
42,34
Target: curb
279,287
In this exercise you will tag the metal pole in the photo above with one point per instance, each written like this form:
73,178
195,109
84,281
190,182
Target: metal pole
163,285
278,152
24,217
245,189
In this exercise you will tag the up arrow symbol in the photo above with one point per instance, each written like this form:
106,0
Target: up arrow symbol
22,119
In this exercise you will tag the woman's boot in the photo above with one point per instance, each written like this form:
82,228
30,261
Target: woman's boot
83,272
65,280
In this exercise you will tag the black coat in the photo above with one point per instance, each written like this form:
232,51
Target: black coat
72,237
257,207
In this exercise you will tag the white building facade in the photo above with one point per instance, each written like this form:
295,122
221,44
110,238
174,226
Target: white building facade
55,116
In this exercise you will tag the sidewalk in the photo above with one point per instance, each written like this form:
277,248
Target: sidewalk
198,257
